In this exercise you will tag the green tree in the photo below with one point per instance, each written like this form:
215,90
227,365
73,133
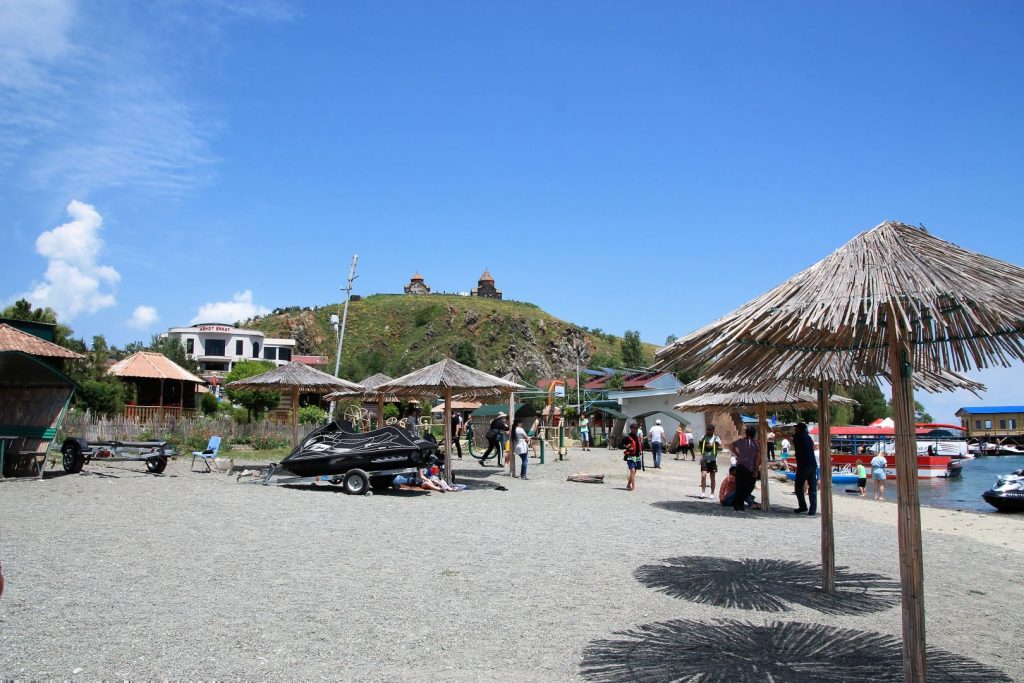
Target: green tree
22,310
103,397
208,404
255,401
920,414
616,381
670,338
465,353
174,350
632,350
605,360
871,404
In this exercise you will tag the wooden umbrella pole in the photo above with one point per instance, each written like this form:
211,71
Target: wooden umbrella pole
448,444
295,417
828,549
908,506
762,438
380,411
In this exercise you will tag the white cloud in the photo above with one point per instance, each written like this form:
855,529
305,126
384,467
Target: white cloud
143,317
74,280
33,33
240,307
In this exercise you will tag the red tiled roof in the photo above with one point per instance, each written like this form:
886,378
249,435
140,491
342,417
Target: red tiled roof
13,339
311,360
545,384
642,380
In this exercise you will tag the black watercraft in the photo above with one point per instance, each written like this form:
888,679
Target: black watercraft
1007,495
334,450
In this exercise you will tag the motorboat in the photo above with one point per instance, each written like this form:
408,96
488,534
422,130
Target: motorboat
937,446
336,452
1007,494
840,475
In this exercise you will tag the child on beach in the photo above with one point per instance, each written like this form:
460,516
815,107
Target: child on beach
862,479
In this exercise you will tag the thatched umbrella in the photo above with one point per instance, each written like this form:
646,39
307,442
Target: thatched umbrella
298,378
449,378
712,394
894,299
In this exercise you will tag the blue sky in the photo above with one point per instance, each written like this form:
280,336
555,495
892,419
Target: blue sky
624,165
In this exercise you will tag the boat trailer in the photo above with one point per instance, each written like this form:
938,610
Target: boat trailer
76,452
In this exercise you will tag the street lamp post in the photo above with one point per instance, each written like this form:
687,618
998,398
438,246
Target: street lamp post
344,319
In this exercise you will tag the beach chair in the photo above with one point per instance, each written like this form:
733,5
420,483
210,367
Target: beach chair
207,455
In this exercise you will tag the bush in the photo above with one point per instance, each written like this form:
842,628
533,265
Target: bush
102,398
208,404
312,415
267,442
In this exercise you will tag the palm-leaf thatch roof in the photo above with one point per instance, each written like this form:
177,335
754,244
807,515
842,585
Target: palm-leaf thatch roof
150,365
374,381
296,375
961,310
462,380
713,394
13,339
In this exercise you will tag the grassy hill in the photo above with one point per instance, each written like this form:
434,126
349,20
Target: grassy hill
395,334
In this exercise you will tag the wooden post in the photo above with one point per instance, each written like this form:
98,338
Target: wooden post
449,444
161,398
828,549
901,366
762,438
295,417
380,411
511,419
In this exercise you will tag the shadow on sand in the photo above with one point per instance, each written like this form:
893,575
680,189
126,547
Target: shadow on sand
738,651
711,508
768,585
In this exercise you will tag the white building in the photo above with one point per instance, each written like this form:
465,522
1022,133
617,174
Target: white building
652,396
217,347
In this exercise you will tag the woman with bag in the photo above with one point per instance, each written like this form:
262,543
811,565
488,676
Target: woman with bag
520,445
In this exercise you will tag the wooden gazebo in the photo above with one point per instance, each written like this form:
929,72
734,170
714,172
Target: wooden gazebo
162,386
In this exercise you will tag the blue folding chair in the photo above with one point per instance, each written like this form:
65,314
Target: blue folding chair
207,455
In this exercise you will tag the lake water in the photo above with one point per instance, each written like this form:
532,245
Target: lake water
965,493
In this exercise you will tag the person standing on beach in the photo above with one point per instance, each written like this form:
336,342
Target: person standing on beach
689,444
585,433
785,447
709,445
748,461
520,445
862,479
806,470
456,431
633,447
770,443
657,443
878,465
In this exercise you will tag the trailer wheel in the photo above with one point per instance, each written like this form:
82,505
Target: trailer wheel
71,451
356,483
157,464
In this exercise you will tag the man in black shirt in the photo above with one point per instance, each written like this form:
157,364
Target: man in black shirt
457,431
806,470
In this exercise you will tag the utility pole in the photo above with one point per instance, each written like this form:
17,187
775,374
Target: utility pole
344,319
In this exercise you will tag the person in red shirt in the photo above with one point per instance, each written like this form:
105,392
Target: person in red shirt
634,449
728,488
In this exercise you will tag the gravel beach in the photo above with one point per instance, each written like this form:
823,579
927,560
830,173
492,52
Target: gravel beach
117,573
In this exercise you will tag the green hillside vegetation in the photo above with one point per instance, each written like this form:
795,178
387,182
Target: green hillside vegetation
395,334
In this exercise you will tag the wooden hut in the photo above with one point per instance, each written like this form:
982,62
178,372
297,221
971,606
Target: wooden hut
162,386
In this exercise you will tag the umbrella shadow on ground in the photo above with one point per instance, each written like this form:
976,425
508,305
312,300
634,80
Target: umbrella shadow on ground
768,585
711,508
732,650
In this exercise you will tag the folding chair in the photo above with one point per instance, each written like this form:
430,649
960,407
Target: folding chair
206,456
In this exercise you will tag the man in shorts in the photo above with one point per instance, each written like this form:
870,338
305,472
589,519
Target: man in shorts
708,447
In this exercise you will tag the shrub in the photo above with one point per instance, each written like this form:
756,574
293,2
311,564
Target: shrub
312,415
266,442
208,404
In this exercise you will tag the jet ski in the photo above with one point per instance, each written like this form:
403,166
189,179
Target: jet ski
1007,495
335,449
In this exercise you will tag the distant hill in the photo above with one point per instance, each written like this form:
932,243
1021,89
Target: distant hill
396,333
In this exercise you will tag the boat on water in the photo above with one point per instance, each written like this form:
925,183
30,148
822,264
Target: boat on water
1007,494
847,474
994,449
937,446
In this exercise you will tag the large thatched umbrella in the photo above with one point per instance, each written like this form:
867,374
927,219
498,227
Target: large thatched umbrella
894,299
449,378
297,378
713,394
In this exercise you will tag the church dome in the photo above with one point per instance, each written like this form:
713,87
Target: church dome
486,277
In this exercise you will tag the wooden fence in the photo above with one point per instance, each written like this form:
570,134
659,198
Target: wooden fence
172,428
